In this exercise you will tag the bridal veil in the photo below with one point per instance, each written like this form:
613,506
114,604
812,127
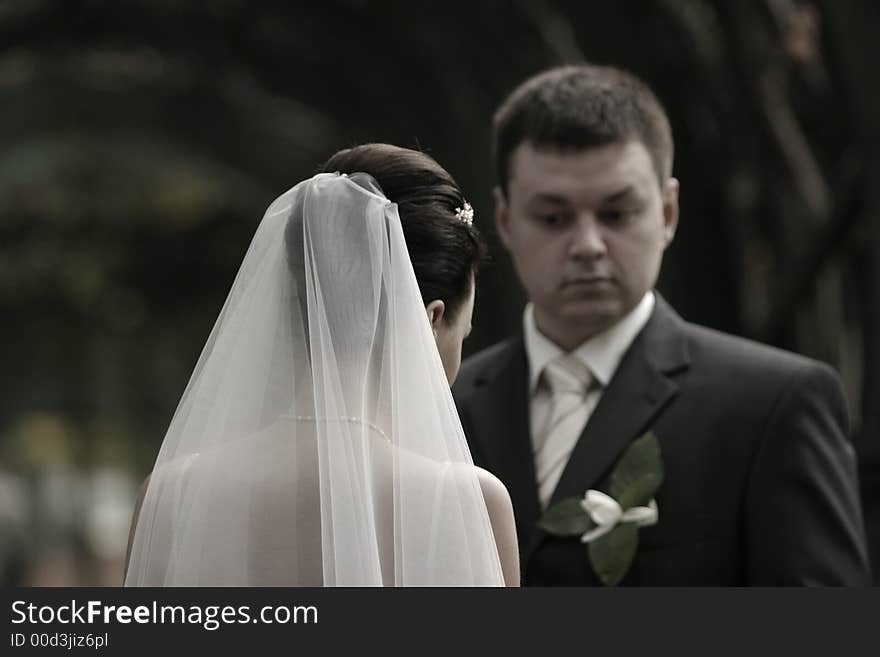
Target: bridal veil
317,442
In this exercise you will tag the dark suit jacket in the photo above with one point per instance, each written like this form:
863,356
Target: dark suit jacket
760,480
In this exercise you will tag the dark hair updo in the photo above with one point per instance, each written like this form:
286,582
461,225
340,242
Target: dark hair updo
445,251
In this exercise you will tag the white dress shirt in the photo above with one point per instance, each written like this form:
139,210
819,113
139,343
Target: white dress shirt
601,354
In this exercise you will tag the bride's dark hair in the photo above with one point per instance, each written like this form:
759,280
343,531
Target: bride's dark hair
444,250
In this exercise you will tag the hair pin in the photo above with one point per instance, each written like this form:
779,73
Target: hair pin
465,214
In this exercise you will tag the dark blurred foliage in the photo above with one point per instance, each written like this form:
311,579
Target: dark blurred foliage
140,142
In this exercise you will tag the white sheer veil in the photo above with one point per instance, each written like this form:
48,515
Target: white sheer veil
317,442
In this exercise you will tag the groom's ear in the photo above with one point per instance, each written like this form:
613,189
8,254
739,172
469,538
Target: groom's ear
670,210
502,214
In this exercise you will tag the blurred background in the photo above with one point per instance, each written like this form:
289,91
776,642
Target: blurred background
141,141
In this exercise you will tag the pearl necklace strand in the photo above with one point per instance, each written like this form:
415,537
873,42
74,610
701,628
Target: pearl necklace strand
350,420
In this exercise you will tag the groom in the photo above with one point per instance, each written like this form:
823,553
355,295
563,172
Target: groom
760,477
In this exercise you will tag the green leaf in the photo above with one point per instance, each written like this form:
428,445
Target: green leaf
638,474
640,492
566,518
612,554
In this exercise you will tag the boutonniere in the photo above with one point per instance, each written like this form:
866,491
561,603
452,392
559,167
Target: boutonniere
609,522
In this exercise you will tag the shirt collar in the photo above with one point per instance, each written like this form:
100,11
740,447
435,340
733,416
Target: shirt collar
601,354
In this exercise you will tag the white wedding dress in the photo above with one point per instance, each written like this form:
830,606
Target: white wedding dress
317,442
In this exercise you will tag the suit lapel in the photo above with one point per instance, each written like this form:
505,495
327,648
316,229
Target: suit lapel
502,429
639,390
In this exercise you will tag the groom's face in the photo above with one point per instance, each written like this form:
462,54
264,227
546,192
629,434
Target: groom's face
586,230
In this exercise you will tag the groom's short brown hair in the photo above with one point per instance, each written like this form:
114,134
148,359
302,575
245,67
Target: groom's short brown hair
579,107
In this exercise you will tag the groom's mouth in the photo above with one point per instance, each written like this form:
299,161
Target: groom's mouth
587,282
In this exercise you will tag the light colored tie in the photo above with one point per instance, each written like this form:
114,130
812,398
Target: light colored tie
568,381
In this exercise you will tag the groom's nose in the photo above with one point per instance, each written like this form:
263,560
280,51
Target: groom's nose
587,240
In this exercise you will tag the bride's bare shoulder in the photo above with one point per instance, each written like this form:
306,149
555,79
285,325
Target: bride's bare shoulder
500,510
493,488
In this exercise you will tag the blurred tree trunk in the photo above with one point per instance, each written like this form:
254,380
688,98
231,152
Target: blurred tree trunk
790,84
853,31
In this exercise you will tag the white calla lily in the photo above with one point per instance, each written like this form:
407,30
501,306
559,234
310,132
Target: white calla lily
642,516
605,511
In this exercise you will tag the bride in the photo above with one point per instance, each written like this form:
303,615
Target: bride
317,442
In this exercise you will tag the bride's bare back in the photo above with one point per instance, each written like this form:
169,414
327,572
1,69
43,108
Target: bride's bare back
270,484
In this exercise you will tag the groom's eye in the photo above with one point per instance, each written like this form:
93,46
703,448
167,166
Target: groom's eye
616,215
611,216
551,219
